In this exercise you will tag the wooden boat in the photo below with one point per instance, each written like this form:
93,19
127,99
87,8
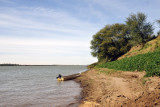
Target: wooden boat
69,77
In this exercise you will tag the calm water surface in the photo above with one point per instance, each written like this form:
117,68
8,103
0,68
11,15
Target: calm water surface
36,86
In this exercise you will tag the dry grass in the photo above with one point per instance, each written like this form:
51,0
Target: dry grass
148,47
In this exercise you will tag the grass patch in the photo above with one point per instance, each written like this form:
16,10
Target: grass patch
108,71
144,80
89,81
149,62
92,65
147,45
151,46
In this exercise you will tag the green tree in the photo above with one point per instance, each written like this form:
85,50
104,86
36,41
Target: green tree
110,42
140,30
158,21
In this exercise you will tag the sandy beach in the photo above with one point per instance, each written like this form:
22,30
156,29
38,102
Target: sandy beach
117,89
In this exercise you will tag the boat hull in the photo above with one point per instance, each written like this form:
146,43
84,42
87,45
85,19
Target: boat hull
69,77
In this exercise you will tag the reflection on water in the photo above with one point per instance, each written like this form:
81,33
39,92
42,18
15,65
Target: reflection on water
36,86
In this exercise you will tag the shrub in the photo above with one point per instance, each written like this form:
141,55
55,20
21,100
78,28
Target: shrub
91,65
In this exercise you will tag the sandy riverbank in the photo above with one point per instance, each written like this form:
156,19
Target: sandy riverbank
118,89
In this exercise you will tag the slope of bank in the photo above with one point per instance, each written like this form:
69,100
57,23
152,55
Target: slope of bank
103,87
140,58
117,88
150,46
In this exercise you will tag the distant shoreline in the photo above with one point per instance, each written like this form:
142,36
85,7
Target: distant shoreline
37,65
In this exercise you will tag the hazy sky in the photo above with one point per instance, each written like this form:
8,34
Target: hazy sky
60,31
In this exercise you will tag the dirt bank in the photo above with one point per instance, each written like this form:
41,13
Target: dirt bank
119,89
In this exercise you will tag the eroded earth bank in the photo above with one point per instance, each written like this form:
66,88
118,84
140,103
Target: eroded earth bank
118,89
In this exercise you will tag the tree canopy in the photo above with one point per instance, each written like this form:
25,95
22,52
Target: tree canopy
158,21
110,42
114,40
140,30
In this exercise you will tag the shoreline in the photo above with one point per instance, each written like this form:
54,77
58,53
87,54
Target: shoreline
76,103
118,89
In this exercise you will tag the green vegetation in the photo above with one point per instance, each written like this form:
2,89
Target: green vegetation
115,40
91,65
150,46
108,71
128,47
149,62
139,30
144,80
158,21
110,42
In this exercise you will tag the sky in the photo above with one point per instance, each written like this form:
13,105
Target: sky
59,31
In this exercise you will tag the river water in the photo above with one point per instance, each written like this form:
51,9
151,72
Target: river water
36,86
